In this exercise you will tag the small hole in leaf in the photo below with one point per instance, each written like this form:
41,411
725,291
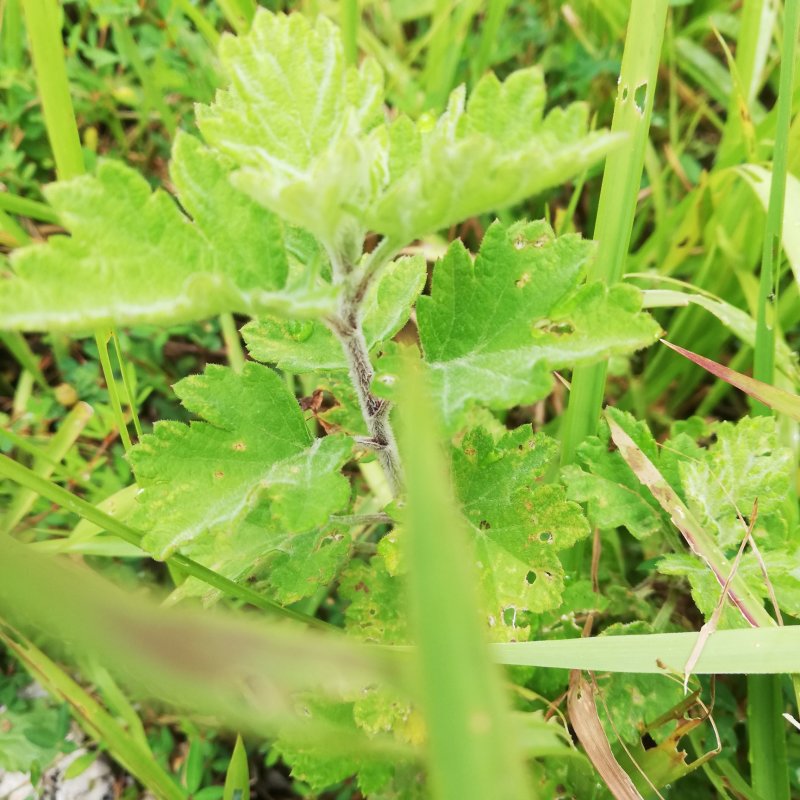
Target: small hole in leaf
546,537
648,742
624,93
484,525
560,328
640,97
510,616
530,578
523,281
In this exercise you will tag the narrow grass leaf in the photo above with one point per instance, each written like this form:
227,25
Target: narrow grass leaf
244,672
237,778
472,750
60,444
751,651
777,399
91,716
618,196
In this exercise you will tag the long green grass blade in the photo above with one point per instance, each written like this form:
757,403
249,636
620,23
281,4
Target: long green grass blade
44,32
350,19
26,477
766,727
27,208
618,196
243,670
769,763
755,651
42,19
473,753
11,34
69,430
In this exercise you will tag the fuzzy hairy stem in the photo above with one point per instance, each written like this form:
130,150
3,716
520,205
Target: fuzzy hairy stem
348,328
374,409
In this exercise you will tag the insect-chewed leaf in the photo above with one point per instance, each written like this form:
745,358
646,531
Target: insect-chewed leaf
492,330
518,526
134,257
254,447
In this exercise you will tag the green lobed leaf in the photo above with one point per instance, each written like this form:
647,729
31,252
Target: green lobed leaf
29,738
318,766
134,257
718,470
634,701
743,465
492,330
490,152
294,117
253,447
376,610
518,525
289,566
310,346
602,480
308,134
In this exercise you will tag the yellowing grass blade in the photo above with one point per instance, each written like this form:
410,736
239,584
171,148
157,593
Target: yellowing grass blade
777,399
699,541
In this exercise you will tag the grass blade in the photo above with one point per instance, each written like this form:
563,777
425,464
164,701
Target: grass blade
91,716
28,478
237,778
750,651
777,399
243,670
618,196
60,444
41,17
472,751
